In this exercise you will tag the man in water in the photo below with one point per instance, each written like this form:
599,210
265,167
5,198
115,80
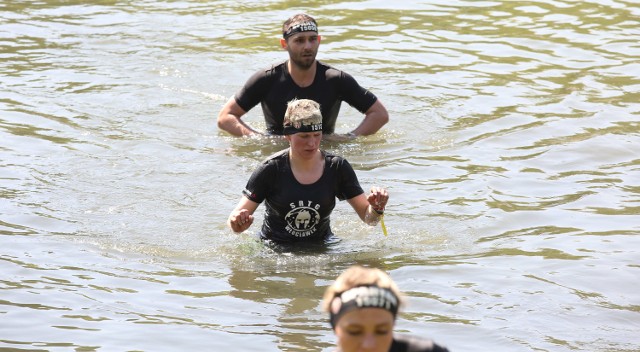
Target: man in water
301,77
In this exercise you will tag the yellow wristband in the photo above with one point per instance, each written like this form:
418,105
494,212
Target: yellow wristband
384,228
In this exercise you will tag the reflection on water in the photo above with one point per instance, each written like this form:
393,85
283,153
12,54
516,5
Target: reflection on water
510,158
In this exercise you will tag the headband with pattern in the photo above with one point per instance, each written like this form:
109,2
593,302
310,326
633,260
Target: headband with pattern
363,297
300,27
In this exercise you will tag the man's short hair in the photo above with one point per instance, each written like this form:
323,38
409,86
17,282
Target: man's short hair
298,23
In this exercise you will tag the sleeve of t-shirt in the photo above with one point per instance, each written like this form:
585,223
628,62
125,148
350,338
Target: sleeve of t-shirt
354,94
257,187
253,90
348,185
405,343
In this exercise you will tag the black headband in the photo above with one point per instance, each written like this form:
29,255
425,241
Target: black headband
314,127
300,27
364,297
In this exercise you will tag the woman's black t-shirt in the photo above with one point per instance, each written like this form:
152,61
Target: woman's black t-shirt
273,88
406,343
294,211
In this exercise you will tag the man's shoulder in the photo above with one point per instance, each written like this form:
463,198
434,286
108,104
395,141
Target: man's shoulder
327,67
270,71
333,73
274,68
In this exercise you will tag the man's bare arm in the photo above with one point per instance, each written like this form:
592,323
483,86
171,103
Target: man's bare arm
376,117
230,120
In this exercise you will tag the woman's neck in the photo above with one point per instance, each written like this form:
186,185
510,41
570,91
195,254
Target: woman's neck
307,171
304,163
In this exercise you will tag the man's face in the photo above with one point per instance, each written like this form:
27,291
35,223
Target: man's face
303,48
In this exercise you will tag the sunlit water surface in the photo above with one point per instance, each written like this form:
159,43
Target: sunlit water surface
512,159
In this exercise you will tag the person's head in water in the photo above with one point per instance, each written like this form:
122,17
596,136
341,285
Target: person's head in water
363,304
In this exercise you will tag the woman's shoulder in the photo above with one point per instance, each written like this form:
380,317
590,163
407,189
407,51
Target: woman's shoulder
333,160
330,155
406,343
274,162
277,156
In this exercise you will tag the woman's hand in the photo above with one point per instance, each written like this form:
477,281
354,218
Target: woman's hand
240,220
366,206
378,199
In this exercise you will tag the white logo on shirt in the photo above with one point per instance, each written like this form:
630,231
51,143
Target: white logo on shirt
302,219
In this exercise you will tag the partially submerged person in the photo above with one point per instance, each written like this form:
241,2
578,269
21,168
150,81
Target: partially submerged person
363,304
299,185
301,77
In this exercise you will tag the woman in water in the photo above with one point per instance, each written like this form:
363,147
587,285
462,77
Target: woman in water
299,185
363,304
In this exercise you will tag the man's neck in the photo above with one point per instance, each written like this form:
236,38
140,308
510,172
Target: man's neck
302,76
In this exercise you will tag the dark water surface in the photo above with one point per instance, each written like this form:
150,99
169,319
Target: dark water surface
512,158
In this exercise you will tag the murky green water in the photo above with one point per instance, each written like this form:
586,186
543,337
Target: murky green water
511,157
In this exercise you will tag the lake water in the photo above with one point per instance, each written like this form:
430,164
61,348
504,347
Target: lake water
512,158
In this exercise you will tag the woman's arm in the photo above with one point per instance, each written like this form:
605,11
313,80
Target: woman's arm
371,207
241,217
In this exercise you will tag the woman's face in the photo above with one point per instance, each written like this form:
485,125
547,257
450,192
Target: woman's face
305,144
365,329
